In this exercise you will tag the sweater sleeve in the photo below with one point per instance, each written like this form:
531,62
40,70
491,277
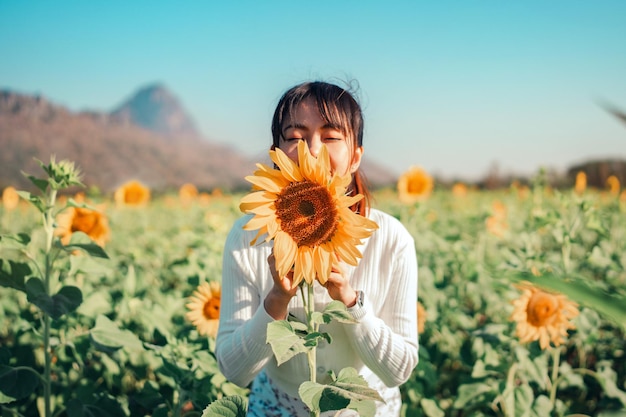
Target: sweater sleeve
241,347
386,334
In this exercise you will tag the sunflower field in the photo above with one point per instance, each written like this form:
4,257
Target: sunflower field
110,302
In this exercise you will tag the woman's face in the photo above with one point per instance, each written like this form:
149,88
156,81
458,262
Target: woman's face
307,124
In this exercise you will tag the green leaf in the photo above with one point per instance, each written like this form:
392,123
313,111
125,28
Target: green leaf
65,301
346,391
13,274
284,341
474,393
336,310
34,200
541,407
101,405
80,241
17,383
430,407
231,406
22,239
578,289
107,336
41,184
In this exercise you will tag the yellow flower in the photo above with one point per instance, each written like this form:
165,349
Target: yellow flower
132,193
187,193
542,316
305,209
459,189
414,185
10,198
91,222
421,318
581,182
613,183
496,223
204,308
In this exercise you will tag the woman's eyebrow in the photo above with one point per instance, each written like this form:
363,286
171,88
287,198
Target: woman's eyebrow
295,126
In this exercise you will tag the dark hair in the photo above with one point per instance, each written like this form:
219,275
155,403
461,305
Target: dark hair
336,107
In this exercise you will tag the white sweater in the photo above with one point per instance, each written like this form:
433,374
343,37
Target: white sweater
382,346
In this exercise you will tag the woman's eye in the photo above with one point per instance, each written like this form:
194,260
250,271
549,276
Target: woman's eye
293,139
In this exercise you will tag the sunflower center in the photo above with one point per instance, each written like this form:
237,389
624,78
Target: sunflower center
307,213
211,309
541,308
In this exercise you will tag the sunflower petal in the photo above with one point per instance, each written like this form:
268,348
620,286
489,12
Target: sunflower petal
285,250
288,168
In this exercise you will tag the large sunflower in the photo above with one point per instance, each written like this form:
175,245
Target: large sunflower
305,209
542,316
204,308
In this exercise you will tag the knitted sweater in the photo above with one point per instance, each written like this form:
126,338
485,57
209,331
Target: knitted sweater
382,346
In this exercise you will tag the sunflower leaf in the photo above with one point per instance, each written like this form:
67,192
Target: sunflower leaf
22,239
80,241
35,201
348,390
65,301
13,274
336,310
284,341
17,383
231,406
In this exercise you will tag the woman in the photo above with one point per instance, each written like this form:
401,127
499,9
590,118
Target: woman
380,293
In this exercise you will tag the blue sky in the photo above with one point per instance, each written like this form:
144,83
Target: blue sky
452,86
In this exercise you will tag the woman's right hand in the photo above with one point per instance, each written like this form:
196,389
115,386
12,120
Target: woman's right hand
282,292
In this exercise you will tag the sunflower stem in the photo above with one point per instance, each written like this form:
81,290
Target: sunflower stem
556,357
48,222
309,308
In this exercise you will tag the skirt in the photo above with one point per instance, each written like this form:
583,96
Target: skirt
267,400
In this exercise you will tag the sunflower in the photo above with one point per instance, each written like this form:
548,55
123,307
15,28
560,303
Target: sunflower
613,184
305,210
204,308
10,198
76,219
132,193
459,189
187,193
542,316
496,223
581,182
414,185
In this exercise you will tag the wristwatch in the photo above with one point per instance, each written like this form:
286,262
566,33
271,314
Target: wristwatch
358,310
360,298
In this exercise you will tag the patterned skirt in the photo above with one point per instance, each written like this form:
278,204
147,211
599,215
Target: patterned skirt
267,400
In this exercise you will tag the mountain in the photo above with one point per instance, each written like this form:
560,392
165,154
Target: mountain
111,148
156,109
149,137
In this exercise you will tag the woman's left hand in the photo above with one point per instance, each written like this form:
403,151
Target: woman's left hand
339,288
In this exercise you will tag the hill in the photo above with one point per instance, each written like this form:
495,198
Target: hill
149,137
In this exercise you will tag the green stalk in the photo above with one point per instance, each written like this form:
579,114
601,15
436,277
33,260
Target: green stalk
309,308
556,357
49,229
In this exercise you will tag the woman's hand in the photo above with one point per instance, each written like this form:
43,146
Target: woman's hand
339,288
281,293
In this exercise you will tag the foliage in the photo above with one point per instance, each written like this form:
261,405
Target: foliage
127,349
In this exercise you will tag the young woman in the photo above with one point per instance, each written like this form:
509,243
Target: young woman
380,293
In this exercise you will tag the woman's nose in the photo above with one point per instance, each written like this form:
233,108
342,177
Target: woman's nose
315,143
